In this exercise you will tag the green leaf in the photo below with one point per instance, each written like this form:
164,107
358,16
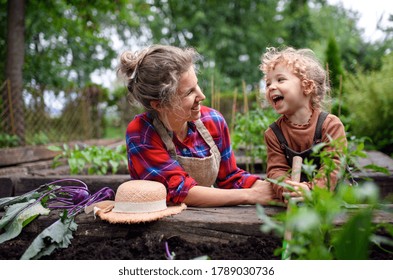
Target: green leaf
87,155
57,235
352,242
115,165
317,148
12,211
55,148
22,219
4,201
382,240
305,220
269,225
377,168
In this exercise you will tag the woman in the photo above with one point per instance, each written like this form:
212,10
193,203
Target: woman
177,141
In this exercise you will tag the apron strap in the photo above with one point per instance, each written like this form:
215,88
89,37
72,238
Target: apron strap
205,133
277,131
203,170
318,130
165,137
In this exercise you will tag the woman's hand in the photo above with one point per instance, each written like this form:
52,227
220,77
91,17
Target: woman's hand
261,192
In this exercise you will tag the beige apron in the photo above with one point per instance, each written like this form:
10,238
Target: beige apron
203,170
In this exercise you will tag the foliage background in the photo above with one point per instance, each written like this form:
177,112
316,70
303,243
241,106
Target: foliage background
68,43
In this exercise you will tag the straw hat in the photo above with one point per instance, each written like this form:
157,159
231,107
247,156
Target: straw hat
136,201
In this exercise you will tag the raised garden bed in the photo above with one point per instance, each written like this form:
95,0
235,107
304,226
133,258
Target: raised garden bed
224,233
230,233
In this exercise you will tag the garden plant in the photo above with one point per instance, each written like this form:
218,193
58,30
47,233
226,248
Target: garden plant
71,196
327,225
95,159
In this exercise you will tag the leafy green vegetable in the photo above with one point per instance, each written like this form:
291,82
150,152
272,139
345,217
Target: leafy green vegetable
98,160
5,201
14,219
57,235
22,210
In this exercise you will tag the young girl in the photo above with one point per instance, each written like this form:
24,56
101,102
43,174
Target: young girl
296,88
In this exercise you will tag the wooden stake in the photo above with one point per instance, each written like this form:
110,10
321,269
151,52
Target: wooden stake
295,176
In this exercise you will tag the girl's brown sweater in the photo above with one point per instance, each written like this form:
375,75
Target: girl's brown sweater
300,138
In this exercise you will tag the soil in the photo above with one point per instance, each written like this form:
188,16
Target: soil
148,247
152,247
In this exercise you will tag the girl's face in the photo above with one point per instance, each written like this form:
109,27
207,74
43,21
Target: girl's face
190,97
284,91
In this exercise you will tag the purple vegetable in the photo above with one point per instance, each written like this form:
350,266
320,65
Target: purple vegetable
105,193
71,195
66,197
73,198
80,196
169,255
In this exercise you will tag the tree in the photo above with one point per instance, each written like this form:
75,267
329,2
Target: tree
297,24
334,64
231,35
66,41
371,101
14,64
374,52
336,21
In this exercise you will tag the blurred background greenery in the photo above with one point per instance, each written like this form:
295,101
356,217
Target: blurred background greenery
56,55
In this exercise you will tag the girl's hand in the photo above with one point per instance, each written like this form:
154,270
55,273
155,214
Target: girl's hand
298,186
299,189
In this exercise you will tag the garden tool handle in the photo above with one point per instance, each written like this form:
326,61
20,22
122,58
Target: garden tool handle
296,168
295,176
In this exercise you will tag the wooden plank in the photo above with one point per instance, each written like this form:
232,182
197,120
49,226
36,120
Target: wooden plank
18,155
26,183
377,158
221,224
6,187
13,156
94,183
14,171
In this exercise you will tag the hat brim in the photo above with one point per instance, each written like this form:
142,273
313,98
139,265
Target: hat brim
134,218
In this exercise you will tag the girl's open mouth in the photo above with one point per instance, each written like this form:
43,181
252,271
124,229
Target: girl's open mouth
277,98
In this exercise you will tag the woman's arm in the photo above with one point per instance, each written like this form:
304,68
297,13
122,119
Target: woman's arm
260,192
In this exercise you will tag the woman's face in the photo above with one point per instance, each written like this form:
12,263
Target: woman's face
190,97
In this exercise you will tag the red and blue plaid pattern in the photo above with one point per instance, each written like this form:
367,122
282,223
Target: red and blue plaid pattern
148,158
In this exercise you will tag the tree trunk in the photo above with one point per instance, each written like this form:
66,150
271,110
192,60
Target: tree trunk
15,61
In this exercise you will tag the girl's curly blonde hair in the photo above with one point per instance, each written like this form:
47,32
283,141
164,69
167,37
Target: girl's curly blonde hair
305,66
